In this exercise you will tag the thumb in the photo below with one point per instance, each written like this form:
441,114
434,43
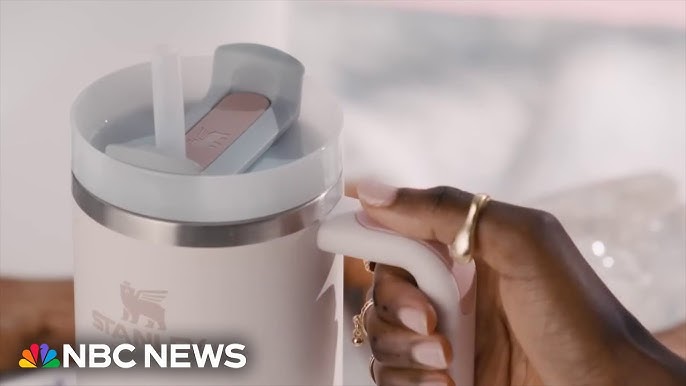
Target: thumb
438,214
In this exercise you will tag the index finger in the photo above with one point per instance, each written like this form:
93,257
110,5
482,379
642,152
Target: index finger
508,237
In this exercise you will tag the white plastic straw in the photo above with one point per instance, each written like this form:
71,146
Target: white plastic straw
167,93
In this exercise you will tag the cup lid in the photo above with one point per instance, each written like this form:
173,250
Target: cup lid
301,165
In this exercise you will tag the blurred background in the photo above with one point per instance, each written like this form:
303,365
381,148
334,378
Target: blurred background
576,107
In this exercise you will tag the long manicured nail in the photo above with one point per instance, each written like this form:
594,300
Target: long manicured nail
376,193
414,319
430,354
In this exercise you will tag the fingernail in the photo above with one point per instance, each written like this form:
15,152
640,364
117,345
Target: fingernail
430,354
376,193
413,319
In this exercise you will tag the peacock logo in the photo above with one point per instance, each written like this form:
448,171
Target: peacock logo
31,360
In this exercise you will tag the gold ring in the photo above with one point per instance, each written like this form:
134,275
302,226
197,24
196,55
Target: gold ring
461,248
359,331
371,367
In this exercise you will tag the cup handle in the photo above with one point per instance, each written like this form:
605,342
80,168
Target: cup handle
450,287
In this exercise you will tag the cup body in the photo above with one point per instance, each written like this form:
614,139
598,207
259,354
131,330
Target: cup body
162,258
273,297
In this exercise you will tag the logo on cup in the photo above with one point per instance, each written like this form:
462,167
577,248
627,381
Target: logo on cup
37,357
145,303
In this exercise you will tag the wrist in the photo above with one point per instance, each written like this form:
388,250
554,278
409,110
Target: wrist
674,339
642,360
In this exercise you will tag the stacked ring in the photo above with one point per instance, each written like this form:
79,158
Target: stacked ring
359,331
371,367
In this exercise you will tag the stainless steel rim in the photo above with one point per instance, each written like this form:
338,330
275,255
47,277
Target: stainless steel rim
198,234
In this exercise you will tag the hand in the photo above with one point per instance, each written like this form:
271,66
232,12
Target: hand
543,316
34,311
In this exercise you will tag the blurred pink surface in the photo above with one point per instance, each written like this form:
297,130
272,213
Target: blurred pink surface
669,13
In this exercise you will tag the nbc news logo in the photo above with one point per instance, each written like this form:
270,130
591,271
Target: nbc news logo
177,355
